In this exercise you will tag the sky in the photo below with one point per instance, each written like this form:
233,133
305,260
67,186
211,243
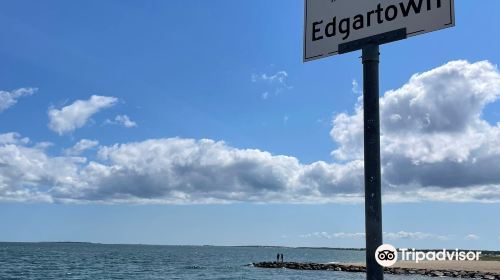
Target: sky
174,122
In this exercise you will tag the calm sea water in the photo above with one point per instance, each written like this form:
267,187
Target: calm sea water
138,262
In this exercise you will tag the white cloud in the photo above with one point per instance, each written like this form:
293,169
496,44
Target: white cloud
355,87
81,146
406,235
436,155
327,235
12,138
169,171
277,81
9,98
316,234
388,235
77,114
434,143
29,174
122,120
413,235
472,237
356,235
280,77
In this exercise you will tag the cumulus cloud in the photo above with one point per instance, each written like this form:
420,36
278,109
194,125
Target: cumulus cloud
27,173
13,138
81,146
122,120
76,115
9,98
170,170
434,142
429,157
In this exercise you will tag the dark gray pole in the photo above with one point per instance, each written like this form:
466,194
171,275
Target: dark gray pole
373,203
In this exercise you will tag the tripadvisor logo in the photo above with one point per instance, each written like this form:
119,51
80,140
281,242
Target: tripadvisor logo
386,255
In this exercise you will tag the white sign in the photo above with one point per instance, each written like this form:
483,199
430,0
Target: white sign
330,23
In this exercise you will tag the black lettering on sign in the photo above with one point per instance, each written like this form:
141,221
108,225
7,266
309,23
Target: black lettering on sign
358,22
331,28
344,26
391,9
315,30
411,5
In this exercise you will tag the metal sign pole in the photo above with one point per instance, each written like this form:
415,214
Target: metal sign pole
327,31
373,201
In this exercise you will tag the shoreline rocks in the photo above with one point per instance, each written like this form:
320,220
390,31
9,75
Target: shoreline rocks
387,270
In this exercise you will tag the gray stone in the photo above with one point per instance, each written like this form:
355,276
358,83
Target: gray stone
387,270
437,273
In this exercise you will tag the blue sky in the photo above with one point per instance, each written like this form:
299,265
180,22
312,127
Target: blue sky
198,123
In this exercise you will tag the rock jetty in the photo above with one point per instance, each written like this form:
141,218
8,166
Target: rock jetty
387,270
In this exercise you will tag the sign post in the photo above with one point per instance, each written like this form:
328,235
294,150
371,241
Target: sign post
340,26
373,197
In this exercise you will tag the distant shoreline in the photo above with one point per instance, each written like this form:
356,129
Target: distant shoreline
484,252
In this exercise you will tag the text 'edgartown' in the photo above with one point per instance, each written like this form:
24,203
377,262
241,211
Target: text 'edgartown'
380,14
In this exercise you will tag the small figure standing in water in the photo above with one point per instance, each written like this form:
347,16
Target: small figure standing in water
278,257
281,257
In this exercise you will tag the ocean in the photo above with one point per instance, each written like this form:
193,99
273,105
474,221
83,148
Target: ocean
139,262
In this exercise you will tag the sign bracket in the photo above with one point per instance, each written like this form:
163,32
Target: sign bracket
378,39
